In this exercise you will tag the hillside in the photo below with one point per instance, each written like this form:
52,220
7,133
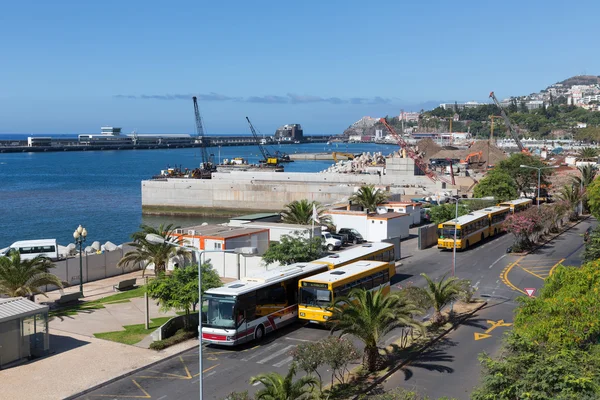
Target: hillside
581,80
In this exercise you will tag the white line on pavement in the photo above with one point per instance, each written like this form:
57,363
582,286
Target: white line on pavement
258,353
285,361
276,354
495,262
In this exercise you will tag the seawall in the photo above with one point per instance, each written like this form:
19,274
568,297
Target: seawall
236,193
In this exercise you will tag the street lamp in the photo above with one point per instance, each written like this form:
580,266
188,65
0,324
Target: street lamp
79,235
539,170
157,239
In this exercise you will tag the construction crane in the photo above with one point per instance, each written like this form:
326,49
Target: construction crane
509,126
335,155
411,153
207,164
267,158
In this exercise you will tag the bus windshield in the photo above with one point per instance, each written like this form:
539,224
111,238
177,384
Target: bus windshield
219,311
448,232
311,296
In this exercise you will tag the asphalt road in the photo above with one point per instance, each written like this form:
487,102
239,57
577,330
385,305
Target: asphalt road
450,368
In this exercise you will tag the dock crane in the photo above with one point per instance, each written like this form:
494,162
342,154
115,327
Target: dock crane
207,165
411,153
267,158
511,128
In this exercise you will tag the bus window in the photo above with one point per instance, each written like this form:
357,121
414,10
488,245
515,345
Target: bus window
312,296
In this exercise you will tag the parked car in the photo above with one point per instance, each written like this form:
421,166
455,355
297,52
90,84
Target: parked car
353,235
342,238
330,242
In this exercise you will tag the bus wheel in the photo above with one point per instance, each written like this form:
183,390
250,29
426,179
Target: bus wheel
482,237
495,231
467,245
259,333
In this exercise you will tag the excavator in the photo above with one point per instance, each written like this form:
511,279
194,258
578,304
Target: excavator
469,158
511,128
335,155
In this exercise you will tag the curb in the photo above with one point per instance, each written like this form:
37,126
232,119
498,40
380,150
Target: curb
125,375
418,352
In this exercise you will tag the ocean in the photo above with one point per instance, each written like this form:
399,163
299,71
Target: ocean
47,195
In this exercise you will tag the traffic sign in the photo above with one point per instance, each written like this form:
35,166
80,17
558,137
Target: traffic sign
530,291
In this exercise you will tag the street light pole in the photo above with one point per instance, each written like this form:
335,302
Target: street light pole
539,170
79,235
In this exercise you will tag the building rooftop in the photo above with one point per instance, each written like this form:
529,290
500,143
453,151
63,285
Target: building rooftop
386,216
220,231
277,225
14,307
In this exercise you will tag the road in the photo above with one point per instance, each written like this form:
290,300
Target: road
451,368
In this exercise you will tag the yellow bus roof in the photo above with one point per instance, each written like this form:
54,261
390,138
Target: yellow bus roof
465,219
345,272
355,253
494,209
515,202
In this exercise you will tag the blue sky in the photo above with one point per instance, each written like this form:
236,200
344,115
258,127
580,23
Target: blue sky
73,66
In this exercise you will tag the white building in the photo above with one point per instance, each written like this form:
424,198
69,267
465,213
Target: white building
460,106
404,207
373,227
277,229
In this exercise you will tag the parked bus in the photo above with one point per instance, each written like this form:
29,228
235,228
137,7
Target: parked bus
367,251
496,216
517,205
29,249
470,229
317,293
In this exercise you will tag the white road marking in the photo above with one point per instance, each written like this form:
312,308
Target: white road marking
285,361
256,384
300,340
258,353
162,397
276,354
206,375
495,262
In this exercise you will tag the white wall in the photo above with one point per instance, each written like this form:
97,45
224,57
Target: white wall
209,244
237,266
356,221
260,240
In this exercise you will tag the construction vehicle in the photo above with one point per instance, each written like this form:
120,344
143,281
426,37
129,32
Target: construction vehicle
267,158
335,155
206,167
469,158
511,128
411,153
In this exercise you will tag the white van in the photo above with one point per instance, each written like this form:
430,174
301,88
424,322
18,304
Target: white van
29,249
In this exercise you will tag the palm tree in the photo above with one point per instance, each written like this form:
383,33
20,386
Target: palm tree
571,195
25,277
441,293
369,316
279,387
588,174
587,153
146,253
301,212
369,197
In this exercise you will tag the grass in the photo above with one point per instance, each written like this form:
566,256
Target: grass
132,333
122,297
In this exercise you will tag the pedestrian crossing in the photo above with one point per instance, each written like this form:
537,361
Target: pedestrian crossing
276,354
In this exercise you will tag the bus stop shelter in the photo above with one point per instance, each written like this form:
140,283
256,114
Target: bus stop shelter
23,330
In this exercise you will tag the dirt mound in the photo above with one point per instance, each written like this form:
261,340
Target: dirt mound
495,154
427,147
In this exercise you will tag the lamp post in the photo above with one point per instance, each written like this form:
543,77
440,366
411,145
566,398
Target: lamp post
157,239
539,170
79,235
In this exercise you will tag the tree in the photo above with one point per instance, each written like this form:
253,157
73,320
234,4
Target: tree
309,357
497,184
277,387
442,293
179,290
524,178
588,153
369,197
445,212
571,195
369,316
592,246
337,354
146,253
301,212
523,108
522,225
24,278
588,174
293,249
593,197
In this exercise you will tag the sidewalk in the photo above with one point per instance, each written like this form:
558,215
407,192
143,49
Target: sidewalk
77,363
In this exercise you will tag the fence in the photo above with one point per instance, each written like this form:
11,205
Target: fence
94,267
427,236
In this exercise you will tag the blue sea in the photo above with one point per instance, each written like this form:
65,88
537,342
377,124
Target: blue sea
47,195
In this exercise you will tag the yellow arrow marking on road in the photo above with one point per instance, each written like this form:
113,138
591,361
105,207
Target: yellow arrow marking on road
494,325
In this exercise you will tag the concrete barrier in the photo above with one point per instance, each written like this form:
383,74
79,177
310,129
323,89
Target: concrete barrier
427,236
169,328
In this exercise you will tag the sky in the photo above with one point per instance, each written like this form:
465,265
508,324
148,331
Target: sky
74,66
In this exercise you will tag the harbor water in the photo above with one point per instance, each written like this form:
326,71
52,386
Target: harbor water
47,195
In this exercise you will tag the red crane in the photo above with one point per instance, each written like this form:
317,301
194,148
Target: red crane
413,154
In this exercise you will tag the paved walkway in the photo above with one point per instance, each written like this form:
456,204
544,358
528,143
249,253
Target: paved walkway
77,363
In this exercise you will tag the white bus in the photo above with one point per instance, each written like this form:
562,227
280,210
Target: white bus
250,308
29,249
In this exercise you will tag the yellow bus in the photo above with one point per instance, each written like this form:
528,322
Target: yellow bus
367,251
470,229
517,205
317,293
496,216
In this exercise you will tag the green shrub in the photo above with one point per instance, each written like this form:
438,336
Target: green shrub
179,336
